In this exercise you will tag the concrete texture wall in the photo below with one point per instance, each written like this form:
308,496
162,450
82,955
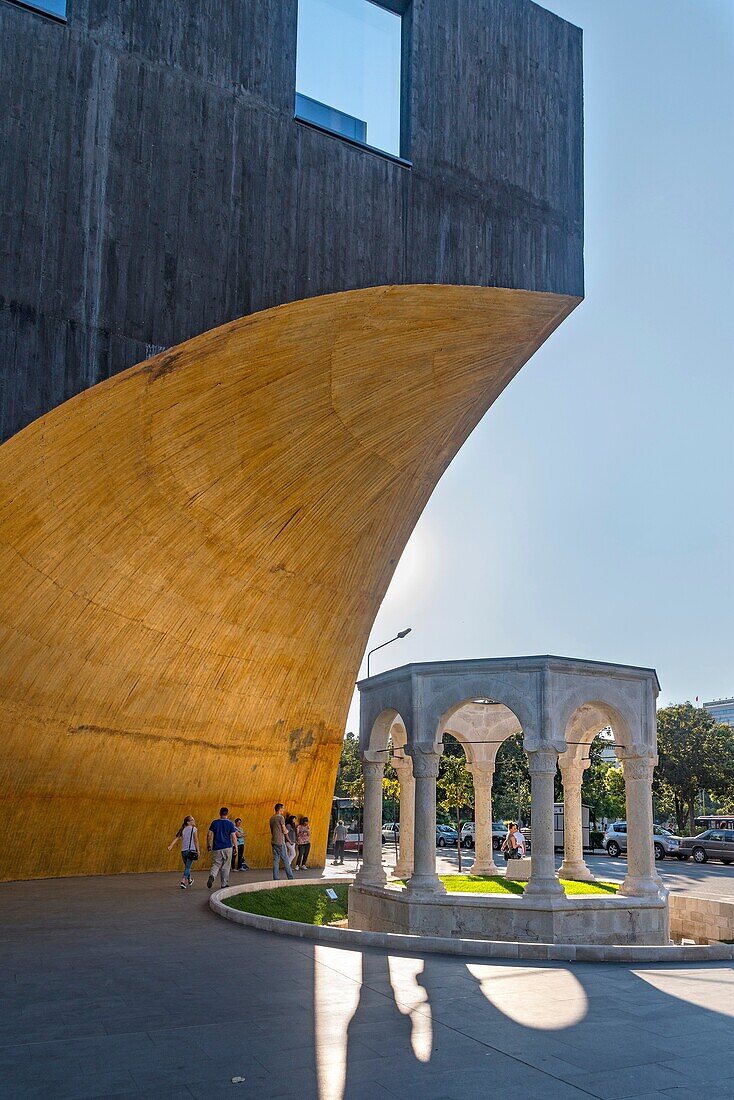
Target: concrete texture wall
154,183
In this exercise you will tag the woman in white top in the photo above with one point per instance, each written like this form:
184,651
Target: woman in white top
189,836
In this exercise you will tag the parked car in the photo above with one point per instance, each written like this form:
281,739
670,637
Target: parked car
665,843
390,832
353,842
499,832
445,835
711,844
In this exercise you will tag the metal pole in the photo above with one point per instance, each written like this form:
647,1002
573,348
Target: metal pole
400,634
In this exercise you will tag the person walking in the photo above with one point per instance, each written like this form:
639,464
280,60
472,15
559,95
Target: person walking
188,834
238,853
339,837
521,843
278,837
303,836
220,840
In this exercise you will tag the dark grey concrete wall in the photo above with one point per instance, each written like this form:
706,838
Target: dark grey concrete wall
154,184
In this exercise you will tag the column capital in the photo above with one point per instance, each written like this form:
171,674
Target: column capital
426,758
371,769
542,761
639,767
481,770
572,771
403,767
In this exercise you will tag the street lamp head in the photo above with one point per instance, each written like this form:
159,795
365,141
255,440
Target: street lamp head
402,633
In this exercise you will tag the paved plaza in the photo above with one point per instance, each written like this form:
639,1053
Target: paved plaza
129,986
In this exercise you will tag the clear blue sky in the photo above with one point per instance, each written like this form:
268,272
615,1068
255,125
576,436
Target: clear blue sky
591,514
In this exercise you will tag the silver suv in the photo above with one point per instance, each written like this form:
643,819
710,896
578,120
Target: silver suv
499,832
665,843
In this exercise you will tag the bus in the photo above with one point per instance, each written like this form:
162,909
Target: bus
714,821
558,831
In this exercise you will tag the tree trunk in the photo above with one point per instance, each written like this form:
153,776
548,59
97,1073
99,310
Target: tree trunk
691,812
680,816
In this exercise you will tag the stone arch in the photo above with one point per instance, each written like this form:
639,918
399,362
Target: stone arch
381,730
451,698
579,723
494,728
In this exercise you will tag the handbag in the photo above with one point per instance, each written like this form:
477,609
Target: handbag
192,854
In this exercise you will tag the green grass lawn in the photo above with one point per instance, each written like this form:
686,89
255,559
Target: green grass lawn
307,904
498,884
310,904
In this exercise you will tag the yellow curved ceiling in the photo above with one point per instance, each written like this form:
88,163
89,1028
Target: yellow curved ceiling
194,551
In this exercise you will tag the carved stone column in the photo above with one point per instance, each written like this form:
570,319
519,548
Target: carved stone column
543,879
573,865
372,873
424,880
641,879
482,773
404,772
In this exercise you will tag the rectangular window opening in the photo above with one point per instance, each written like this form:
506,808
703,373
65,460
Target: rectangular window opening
56,8
348,70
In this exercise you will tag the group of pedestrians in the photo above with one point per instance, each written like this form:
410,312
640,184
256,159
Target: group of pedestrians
290,840
225,839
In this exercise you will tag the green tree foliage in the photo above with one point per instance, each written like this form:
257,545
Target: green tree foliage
456,790
602,786
615,805
349,781
695,753
349,778
511,784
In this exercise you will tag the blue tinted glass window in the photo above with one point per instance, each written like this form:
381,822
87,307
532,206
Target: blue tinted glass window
348,70
51,7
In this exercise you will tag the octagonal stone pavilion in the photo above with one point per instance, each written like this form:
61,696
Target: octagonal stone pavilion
558,704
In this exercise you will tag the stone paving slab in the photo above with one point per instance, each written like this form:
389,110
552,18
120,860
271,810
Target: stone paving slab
118,986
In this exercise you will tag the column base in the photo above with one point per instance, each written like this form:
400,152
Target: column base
421,886
544,887
633,887
576,870
367,877
402,870
484,867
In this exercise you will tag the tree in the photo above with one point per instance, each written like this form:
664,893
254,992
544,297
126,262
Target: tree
350,780
349,775
615,804
511,786
455,785
695,753
602,786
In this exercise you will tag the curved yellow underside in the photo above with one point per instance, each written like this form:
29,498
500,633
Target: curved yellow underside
194,551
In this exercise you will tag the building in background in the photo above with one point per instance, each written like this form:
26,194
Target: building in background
722,710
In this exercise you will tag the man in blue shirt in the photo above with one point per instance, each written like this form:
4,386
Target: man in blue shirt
220,840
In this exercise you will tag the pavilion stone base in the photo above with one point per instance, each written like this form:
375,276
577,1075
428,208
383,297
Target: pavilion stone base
519,869
575,920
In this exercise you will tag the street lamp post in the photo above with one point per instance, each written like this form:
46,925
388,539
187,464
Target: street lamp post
400,634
